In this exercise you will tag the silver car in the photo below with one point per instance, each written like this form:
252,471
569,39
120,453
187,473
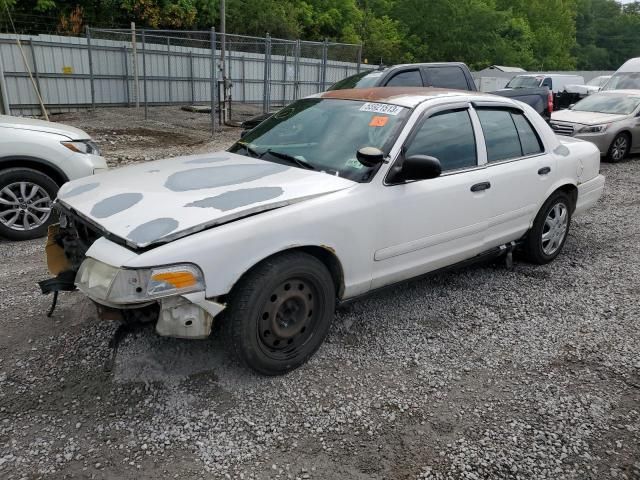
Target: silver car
610,120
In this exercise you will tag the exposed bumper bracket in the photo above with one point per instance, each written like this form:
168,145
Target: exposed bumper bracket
63,282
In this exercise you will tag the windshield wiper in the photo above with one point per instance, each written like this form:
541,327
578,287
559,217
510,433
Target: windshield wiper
250,150
289,158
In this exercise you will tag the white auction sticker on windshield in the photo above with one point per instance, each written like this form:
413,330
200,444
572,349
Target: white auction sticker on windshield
381,108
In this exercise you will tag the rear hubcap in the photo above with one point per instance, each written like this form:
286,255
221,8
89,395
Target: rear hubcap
287,319
24,206
555,228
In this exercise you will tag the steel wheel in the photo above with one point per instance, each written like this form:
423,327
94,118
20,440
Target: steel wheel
555,228
619,148
24,206
288,319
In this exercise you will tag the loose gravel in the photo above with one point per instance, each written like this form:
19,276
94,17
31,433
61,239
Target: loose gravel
485,373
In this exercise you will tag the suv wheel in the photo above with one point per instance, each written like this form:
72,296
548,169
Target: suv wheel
280,313
26,197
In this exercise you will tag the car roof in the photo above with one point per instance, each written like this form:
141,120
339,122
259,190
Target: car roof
631,65
402,96
628,92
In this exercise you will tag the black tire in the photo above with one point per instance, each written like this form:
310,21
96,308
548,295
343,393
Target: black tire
46,188
619,148
541,250
280,312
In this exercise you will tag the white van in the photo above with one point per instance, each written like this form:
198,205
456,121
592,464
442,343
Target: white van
626,78
555,82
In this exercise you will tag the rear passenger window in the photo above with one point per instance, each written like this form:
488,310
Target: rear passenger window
410,78
447,136
507,135
529,139
447,77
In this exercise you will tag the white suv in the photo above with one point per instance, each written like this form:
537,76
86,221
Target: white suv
36,158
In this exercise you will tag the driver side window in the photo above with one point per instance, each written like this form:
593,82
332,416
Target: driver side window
447,136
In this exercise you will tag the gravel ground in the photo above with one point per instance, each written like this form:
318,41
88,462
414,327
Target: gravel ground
485,373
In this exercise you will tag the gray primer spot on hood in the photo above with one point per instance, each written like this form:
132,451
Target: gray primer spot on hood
222,176
112,205
153,230
208,160
80,189
238,198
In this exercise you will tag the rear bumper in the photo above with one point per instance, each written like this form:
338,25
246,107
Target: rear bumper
588,194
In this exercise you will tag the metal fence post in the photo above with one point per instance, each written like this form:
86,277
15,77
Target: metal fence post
144,75
324,64
359,59
136,77
265,78
125,67
244,93
214,83
169,68
35,66
269,64
296,72
193,92
4,96
93,91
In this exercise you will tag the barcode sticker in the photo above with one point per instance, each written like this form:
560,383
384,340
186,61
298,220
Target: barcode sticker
381,108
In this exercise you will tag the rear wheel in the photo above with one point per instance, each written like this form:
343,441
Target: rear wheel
546,238
280,313
26,197
619,148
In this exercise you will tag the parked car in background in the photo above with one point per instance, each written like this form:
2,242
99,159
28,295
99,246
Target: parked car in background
610,120
592,86
36,158
556,83
449,75
332,197
626,77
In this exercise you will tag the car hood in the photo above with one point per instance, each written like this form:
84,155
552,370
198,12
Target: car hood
586,118
581,89
157,202
24,123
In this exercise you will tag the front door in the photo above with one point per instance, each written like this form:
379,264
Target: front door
429,224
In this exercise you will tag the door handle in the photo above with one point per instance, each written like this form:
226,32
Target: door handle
478,187
544,170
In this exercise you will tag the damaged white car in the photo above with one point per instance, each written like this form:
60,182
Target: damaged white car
333,197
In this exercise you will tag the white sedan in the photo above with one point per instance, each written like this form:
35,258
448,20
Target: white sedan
333,197
36,158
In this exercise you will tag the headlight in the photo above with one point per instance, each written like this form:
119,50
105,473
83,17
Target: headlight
117,285
83,146
594,128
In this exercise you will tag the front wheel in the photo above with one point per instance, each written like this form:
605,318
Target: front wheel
26,198
546,238
619,148
280,313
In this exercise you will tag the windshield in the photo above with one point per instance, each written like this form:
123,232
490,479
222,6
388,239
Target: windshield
324,135
524,82
608,103
359,80
624,81
598,81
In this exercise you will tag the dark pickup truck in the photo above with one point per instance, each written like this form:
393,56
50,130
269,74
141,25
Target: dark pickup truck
455,75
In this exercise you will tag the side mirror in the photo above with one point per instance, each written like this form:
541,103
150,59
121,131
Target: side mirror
370,156
416,167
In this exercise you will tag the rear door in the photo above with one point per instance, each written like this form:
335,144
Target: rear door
519,169
446,76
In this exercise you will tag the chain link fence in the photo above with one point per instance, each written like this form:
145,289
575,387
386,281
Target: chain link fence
229,77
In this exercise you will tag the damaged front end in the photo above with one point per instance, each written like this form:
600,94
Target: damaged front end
172,296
